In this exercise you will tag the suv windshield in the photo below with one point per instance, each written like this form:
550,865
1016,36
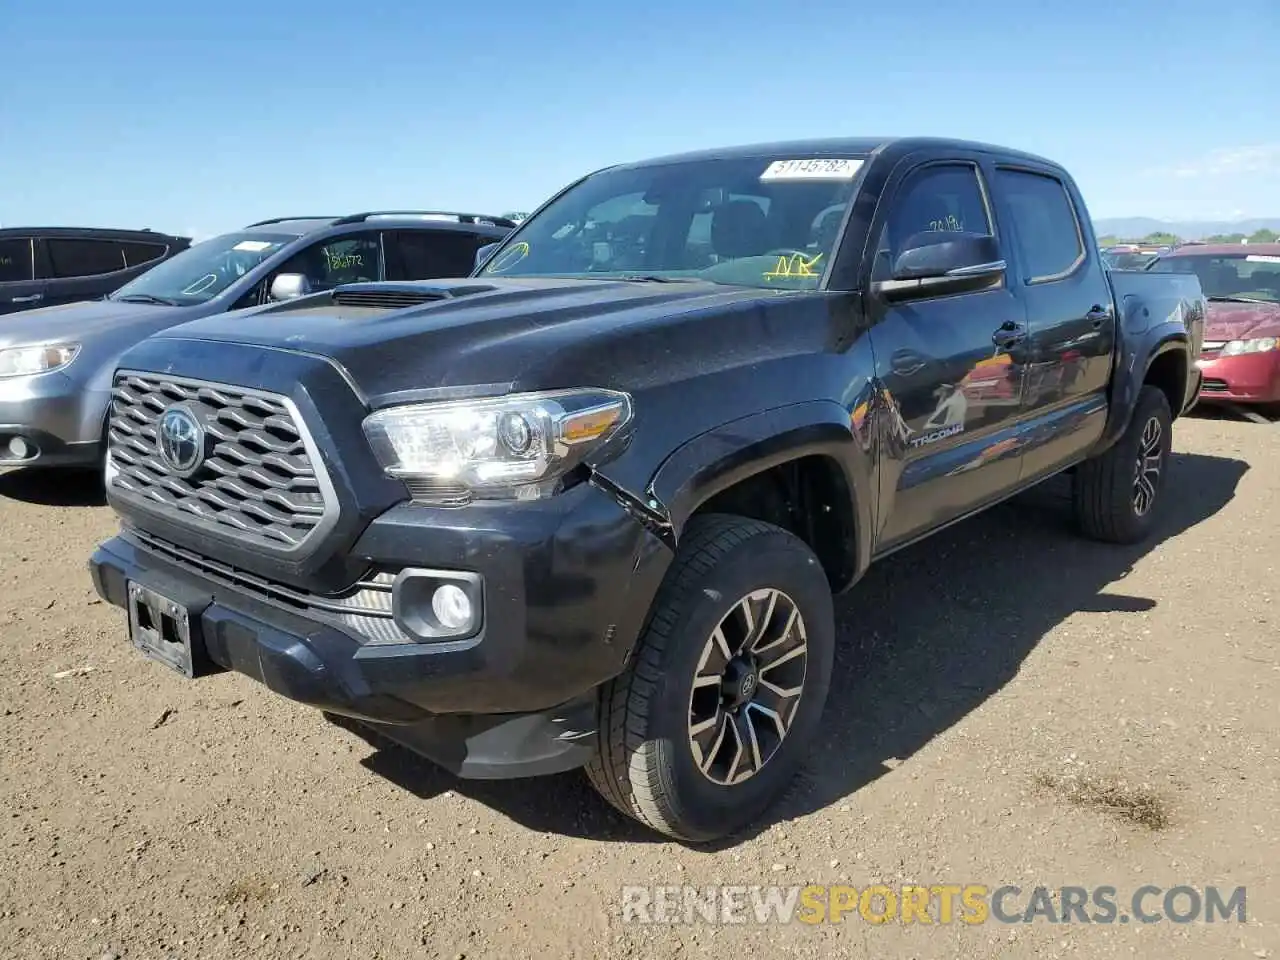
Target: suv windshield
759,221
204,270
1244,276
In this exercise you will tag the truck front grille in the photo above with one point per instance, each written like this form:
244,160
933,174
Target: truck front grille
253,476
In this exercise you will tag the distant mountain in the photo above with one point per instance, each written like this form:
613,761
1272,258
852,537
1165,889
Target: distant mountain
1134,228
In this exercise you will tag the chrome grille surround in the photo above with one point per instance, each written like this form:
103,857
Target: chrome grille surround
262,482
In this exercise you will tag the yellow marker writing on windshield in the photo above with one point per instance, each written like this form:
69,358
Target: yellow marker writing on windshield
509,258
796,265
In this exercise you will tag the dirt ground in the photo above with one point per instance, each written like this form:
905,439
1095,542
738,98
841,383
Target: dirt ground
1012,705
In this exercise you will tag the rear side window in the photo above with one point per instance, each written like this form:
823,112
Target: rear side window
84,258
426,254
16,262
137,254
1044,223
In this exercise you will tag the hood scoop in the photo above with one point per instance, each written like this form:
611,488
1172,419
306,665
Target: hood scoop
398,296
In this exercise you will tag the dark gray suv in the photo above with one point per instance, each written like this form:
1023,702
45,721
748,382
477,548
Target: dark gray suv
56,362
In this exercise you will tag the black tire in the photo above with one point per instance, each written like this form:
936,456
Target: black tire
1105,488
644,764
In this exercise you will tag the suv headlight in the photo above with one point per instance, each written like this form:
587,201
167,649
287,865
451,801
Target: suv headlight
1237,347
514,447
24,361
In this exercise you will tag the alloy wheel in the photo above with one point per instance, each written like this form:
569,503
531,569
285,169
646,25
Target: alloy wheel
747,686
1149,464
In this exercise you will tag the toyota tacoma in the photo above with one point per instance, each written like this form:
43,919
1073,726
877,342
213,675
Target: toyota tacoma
589,506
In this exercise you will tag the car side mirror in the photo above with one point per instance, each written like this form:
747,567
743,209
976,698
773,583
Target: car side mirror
289,286
937,261
483,254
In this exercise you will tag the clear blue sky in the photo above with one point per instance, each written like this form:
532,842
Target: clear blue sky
195,116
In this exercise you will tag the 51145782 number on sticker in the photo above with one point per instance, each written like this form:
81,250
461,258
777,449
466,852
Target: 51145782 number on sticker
821,168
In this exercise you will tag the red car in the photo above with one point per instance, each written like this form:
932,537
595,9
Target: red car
1240,358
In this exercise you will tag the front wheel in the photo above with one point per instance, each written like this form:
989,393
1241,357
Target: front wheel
1116,494
709,723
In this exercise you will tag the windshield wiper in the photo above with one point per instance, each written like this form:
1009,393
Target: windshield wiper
1216,299
146,298
652,278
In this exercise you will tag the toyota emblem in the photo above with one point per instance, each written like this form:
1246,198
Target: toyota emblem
181,441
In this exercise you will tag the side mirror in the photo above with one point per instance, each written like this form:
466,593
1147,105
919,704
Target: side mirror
289,286
938,260
483,254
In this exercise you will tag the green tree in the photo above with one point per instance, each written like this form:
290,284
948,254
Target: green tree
1225,238
1108,241
1162,239
1264,236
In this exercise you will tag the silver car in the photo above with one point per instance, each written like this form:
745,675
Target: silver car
56,362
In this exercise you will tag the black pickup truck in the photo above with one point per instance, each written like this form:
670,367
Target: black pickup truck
589,506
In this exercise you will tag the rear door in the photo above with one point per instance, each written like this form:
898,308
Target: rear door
1070,314
19,288
431,254
83,268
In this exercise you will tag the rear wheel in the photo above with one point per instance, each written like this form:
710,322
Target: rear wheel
1116,494
710,722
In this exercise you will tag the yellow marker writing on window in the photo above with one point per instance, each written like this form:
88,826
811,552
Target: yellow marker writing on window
796,265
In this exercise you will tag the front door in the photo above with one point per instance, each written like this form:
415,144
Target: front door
949,367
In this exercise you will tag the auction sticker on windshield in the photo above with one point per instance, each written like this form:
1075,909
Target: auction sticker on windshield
825,168
252,246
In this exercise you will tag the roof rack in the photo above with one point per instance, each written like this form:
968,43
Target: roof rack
263,223
438,214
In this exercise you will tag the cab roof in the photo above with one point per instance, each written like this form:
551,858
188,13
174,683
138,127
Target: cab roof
837,146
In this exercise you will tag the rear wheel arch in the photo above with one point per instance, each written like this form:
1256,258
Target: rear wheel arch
1167,370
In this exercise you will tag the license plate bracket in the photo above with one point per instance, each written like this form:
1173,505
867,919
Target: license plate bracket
161,629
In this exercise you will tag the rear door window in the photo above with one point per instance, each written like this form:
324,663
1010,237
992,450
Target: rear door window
83,258
16,261
426,254
140,254
1045,225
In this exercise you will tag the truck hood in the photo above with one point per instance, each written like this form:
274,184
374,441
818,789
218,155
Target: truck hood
501,333
1242,321
77,321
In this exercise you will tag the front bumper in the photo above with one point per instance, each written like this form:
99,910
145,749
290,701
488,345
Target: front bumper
57,420
1243,378
567,584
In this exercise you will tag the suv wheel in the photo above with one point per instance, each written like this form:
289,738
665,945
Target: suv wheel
709,723
1116,495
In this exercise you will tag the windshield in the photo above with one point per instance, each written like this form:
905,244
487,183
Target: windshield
1240,276
204,270
761,221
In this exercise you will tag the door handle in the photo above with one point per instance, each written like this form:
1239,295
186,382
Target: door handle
1010,333
906,362
1097,315
31,299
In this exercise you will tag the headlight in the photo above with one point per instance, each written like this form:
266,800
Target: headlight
1237,347
514,447
24,361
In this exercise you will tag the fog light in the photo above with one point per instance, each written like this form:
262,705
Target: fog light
452,607
19,448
